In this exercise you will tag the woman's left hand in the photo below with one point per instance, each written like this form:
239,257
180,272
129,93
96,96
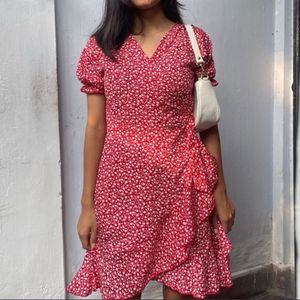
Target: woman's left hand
224,211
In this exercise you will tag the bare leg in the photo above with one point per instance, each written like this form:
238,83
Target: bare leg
138,296
170,294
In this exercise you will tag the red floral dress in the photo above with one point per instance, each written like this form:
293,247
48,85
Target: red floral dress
154,185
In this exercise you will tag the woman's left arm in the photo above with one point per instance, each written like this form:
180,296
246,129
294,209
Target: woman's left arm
225,210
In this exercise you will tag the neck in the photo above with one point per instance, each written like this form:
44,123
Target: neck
153,20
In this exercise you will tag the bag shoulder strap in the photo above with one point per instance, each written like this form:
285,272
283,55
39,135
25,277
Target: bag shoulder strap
194,43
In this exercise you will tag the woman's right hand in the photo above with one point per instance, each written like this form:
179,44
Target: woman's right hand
86,227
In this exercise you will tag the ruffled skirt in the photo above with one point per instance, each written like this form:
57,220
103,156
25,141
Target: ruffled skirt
169,241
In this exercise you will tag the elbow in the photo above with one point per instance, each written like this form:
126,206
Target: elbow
98,126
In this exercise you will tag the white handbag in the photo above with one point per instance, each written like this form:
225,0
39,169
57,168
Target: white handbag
206,108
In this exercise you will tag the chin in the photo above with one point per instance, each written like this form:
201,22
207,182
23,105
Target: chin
144,4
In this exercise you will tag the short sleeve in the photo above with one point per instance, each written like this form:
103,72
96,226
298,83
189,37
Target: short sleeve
90,68
206,48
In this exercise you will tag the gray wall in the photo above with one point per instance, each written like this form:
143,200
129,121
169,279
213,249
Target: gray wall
31,248
74,21
252,52
242,33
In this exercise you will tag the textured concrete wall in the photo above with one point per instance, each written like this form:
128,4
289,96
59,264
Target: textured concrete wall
244,40
31,249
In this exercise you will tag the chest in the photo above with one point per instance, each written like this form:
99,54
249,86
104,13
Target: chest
168,72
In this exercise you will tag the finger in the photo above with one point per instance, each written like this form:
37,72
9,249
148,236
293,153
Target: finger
230,225
210,217
225,229
232,219
85,238
226,225
233,209
230,203
215,222
93,237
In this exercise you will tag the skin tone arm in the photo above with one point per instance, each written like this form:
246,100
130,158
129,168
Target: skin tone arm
95,133
225,210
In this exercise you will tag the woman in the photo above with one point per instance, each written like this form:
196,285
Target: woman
153,191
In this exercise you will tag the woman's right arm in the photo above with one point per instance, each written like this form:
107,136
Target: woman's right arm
95,132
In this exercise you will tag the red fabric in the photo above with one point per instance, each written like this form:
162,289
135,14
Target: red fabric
154,186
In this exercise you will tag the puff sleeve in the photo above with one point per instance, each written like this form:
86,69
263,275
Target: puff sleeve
206,48
91,67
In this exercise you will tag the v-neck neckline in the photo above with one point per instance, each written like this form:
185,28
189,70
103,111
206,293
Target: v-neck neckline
160,44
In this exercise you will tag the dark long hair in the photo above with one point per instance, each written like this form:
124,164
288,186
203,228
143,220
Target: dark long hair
117,22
